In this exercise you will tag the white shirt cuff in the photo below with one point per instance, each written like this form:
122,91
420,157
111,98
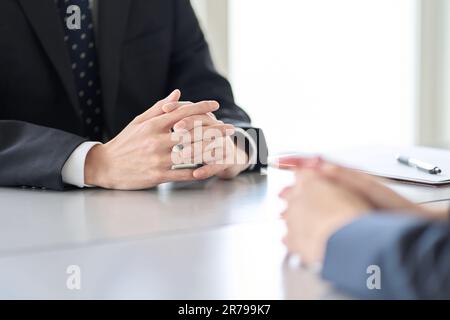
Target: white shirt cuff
73,170
253,148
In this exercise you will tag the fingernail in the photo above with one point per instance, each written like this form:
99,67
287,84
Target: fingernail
173,94
214,104
170,95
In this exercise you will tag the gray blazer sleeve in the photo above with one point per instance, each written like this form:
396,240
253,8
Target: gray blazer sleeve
413,256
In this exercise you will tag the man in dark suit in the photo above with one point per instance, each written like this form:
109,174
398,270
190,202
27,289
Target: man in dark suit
371,242
66,86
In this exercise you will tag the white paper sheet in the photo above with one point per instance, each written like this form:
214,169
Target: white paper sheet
382,161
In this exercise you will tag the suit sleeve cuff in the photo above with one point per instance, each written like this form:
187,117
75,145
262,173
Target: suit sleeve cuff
73,170
252,149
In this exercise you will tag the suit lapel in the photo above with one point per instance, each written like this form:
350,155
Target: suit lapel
47,24
113,17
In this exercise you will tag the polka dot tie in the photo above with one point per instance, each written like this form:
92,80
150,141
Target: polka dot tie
83,56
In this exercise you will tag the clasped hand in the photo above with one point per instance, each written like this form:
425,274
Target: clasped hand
143,154
326,197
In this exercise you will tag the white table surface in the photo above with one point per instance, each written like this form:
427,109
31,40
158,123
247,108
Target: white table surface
209,240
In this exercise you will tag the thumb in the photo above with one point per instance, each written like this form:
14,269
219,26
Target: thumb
157,110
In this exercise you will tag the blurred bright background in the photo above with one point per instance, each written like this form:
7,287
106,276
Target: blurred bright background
321,75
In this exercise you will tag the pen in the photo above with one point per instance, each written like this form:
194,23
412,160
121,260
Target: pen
420,165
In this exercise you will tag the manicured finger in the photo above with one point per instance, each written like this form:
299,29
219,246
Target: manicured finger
168,120
156,110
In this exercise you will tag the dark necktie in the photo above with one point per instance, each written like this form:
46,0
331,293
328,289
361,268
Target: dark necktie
81,46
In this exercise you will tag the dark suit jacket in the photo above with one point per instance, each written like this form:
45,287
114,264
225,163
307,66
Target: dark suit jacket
413,256
146,49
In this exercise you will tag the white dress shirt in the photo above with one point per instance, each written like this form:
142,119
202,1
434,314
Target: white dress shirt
73,170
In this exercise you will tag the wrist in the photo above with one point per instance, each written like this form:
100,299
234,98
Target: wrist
94,166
